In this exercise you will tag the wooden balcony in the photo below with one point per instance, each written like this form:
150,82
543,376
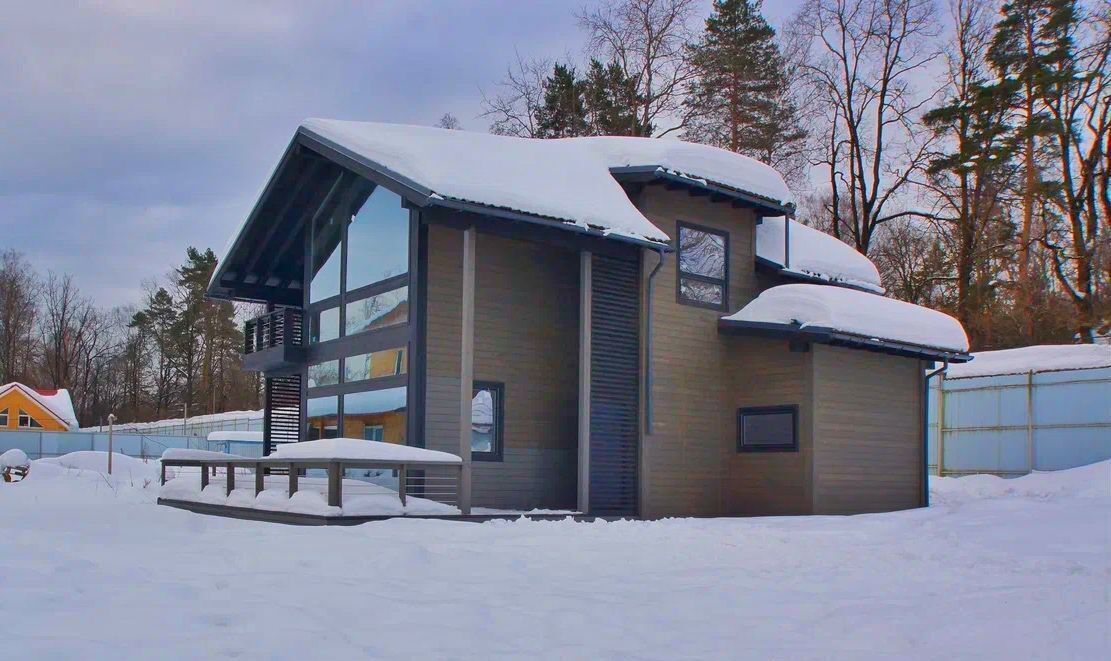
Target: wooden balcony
274,342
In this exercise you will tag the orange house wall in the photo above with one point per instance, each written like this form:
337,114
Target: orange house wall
14,400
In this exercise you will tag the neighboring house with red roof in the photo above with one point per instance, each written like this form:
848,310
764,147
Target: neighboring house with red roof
23,407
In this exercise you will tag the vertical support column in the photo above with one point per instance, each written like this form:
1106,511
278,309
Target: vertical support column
292,480
585,300
401,479
259,479
335,484
1030,456
466,369
941,425
204,476
229,484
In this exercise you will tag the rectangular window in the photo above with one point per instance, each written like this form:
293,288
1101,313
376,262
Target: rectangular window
323,417
4,418
703,271
768,429
379,311
325,325
388,362
377,240
385,409
487,421
324,374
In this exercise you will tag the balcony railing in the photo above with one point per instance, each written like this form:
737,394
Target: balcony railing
280,327
274,342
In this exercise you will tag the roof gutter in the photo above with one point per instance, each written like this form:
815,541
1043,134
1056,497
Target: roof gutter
926,432
831,336
648,344
645,173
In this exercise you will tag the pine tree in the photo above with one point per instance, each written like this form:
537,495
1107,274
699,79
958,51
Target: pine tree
611,102
1026,52
738,100
563,114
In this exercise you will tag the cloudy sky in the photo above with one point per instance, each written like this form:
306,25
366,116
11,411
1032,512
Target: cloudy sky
131,129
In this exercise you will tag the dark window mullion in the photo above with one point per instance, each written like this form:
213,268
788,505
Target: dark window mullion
701,278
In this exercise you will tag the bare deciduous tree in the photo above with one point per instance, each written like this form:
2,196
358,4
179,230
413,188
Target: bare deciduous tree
647,39
513,110
19,290
861,59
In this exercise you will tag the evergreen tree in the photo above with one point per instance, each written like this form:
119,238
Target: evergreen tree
1027,51
611,102
563,113
738,99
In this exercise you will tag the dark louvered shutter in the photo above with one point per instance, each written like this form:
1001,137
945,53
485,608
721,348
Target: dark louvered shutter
614,385
282,421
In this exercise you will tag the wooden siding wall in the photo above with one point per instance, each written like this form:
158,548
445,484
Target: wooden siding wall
681,461
526,336
868,431
764,372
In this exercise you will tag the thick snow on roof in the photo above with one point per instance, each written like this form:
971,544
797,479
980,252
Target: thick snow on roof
56,401
567,179
816,254
195,455
360,450
855,312
1042,358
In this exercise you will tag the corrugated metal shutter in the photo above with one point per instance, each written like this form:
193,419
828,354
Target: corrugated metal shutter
282,421
614,385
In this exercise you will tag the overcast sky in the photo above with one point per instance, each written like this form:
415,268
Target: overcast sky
132,129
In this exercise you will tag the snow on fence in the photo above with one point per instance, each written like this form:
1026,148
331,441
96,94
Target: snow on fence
1011,424
201,425
40,444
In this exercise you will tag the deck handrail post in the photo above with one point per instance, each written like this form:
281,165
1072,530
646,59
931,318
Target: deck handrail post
259,484
335,484
401,483
204,476
162,474
292,479
230,483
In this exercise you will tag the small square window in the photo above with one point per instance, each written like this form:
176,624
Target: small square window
487,421
703,266
768,429
4,418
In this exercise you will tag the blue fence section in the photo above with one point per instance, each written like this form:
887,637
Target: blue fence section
1012,424
54,444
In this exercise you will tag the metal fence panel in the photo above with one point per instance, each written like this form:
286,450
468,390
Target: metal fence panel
1012,424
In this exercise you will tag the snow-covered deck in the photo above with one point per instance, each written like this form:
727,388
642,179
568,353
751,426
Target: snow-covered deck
214,482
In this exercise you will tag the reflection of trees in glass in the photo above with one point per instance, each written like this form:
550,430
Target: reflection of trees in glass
701,253
704,292
324,374
377,311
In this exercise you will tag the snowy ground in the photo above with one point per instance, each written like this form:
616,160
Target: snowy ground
90,568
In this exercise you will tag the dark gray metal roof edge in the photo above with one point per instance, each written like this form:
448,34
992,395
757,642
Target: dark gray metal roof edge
824,335
649,172
402,185
763,263
510,214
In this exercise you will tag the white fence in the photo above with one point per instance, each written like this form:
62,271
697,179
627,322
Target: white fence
39,444
1011,424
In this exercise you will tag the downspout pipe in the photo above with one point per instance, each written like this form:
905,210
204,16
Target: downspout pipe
926,431
648,344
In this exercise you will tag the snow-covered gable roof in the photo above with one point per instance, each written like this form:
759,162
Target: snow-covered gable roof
838,310
1041,358
56,401
814,254
566,179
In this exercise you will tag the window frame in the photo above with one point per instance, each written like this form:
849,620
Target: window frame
793,446
4,418
498,428
723,282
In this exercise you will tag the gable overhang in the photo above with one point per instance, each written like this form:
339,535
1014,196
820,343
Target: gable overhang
796,333
695,186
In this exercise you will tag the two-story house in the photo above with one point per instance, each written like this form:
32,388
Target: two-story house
620,326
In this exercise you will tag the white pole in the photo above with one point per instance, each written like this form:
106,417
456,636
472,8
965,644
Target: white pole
111,421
